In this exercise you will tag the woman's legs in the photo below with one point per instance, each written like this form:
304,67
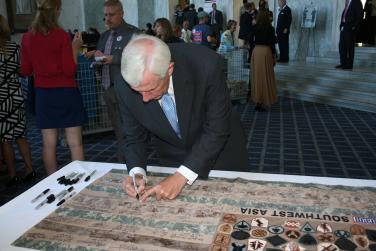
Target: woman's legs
9,158
49,149
23,146
74,140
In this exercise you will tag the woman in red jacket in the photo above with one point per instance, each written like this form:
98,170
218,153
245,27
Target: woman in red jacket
48,53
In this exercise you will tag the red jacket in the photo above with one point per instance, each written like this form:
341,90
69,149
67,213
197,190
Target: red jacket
49,58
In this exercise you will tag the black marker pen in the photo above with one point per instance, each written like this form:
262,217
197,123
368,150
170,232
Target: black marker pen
40,195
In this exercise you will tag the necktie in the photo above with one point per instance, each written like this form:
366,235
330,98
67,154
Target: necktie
169,109
345,11
106,82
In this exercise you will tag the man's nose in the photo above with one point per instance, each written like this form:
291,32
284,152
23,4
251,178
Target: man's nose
146,97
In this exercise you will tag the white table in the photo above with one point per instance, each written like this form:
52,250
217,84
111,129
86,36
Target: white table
19,215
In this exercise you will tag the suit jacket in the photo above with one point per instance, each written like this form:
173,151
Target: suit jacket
122,35
218,16
284,20
245,25
212,137
354,16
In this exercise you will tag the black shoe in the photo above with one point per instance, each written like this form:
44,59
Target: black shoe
13,181
29,177
347,67
339,66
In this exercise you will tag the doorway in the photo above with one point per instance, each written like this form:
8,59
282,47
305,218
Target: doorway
20,14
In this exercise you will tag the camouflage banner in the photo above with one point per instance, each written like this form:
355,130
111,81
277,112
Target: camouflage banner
214,214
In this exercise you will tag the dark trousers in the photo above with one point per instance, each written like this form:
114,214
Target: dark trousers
346,48
283,45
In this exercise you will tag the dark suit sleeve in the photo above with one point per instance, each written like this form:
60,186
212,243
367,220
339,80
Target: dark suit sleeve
136,136
216,125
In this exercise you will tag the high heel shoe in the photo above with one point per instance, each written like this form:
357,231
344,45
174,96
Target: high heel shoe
13,181
31,176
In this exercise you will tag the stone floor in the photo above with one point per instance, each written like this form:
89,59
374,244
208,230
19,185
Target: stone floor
294,137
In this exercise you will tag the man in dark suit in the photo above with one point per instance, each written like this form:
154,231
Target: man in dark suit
283,31
204,133
216,22
351,17
109,48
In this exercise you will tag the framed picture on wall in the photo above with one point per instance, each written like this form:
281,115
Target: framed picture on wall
23,7
310,13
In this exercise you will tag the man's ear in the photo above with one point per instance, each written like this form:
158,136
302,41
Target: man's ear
170,69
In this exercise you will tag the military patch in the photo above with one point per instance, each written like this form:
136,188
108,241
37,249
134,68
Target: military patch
276,229
238,247
242,225
342,233
259,222
259,233
307,228
361,241
229,218
256,245
324,228
292,224
240,235
371,234
345,244
292,234
325,237
218,248
357,230
222,240
225,228
276,240
293,246
326,246
308,239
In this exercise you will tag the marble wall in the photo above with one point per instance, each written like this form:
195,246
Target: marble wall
94,14
72,14
324,37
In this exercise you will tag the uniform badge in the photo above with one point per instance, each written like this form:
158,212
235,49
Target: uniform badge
324,228
342,233
276,229
259,222
326,246
225,228
242,225
292,246
292,224
307,228
256,245
119,38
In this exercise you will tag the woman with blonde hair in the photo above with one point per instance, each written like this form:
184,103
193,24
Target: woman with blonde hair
49,54
12,120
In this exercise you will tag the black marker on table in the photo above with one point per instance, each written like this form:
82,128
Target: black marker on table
40,195
65,199
90,175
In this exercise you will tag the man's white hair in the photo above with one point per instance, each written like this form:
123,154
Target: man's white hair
142,53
